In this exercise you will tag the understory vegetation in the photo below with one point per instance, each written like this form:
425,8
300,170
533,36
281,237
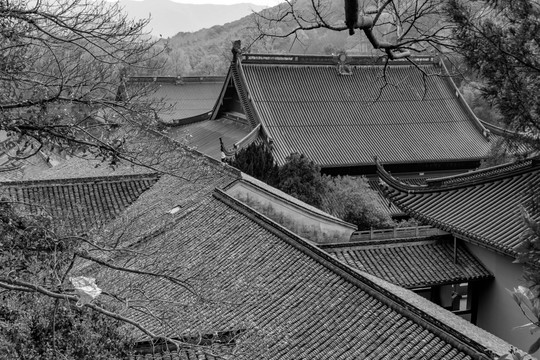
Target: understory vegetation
33,326
346,197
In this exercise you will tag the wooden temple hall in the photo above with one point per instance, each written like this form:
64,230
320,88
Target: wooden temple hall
340,111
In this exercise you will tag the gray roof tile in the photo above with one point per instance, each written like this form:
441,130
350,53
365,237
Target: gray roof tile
346,120
412,263
79,203
480,206
255,275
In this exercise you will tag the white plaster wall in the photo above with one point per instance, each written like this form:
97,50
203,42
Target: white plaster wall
340,230
497,311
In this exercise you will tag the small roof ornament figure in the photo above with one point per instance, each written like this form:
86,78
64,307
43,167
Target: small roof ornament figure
236,49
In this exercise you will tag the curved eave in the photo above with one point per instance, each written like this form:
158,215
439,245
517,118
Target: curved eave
395,183
497,130
525,143
468,179
482,176
474,119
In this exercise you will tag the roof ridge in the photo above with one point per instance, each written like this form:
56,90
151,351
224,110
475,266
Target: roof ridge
394,241
178,80
243,91
471,115
215,163
390,299
390,180
86,179
318,59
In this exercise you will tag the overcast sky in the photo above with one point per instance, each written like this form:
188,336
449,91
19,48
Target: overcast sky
228,2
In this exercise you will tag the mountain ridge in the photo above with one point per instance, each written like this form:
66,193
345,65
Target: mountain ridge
208,51
168,18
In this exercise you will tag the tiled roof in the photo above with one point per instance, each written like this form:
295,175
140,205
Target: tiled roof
338,120
292,299
480,206
204,136
184,353
78,203
177,355
412,263
184,99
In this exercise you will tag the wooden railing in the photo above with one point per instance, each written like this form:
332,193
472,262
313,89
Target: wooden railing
396,233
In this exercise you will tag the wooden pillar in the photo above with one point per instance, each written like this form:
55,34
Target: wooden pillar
455,250
472,299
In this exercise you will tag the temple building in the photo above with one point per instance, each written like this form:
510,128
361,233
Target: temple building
342,111
482,210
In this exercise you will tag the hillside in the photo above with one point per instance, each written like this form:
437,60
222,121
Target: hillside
169,18
208,51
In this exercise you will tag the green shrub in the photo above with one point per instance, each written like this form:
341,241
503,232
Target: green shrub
301,178
351,199
257,160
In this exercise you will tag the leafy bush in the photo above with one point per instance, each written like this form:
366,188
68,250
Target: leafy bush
348,198
257,160
351,199
301,178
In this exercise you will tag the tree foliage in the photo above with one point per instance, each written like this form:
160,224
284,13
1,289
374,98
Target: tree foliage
352,200
500,41
257,160
348,198
62,61
62,64
34,327
301,178
397,28
37,327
